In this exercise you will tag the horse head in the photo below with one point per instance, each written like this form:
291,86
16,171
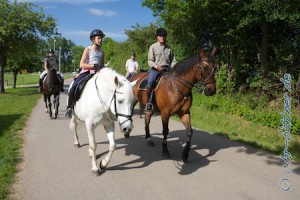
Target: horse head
123,103
206,72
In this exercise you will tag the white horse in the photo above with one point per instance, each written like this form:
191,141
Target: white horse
107,97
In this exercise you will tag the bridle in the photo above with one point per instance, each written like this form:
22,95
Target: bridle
191,85
201,72
114,98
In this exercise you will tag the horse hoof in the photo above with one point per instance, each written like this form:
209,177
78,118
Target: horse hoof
126,135
96,172
77,145
150,143
101,166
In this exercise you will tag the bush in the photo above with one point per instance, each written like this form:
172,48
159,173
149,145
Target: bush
249,107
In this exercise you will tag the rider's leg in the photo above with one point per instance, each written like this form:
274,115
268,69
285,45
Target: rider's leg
152,76
149,106
71,98
70,104
42,76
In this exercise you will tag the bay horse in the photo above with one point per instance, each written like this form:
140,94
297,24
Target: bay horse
106,97
52,86
173,95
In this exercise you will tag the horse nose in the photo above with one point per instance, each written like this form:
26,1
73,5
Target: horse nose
127,131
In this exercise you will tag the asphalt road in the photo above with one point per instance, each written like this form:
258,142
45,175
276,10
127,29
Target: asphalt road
53,169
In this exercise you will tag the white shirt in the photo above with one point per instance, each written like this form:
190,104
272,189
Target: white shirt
132,65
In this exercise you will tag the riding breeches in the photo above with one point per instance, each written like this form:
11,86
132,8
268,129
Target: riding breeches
152,76
77,80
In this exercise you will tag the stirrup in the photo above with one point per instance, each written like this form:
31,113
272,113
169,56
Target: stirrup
68,113
149,107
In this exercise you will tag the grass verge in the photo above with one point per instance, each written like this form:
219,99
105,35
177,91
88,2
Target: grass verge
15,108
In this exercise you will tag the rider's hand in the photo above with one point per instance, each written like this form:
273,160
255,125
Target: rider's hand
160,68
97,67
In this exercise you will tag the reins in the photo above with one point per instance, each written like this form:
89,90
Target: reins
190,85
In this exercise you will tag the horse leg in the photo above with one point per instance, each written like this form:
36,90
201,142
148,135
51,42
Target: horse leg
46,103
148,116
50,106
56,105
110,130
165,123
73,126
90,128
186,120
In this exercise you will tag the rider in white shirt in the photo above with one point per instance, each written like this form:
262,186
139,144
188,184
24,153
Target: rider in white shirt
132,66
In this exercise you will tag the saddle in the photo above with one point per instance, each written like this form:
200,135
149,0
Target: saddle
80,86
144,82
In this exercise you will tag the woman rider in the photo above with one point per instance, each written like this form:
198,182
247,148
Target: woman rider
92,60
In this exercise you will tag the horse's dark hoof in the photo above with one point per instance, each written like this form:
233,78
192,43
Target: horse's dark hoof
150,143
96,172
126,135
101,166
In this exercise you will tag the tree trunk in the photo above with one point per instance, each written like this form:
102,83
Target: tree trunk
264,50
15,79
2,67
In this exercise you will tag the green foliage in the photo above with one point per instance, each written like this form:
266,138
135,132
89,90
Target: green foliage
29,28
250,107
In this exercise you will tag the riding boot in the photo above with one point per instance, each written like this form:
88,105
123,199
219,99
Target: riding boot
149,106
40,85
70,105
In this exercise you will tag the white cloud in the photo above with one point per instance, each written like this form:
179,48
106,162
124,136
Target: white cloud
99,12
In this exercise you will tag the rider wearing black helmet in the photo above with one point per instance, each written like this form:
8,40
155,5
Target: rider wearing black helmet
92,60
160,58
50,61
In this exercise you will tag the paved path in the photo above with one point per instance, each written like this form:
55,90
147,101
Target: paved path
53,169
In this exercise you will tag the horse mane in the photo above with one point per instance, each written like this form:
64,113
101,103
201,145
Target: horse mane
108,73
185,65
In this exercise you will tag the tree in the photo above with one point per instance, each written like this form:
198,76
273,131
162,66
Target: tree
31,25
248,33
76,52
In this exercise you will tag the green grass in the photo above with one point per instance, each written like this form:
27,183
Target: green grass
26,79
15,108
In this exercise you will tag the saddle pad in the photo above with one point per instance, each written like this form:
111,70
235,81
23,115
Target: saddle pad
81,85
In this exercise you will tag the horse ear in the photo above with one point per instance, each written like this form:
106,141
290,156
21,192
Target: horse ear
117,81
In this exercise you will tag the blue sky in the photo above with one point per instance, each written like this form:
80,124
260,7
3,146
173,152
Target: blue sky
77,18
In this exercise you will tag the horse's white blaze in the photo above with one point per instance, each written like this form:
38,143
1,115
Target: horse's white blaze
98,105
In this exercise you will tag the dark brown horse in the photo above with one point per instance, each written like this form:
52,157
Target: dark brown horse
52,86
173,95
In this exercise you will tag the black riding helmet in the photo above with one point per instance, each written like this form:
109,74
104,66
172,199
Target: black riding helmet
161,31
96,32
